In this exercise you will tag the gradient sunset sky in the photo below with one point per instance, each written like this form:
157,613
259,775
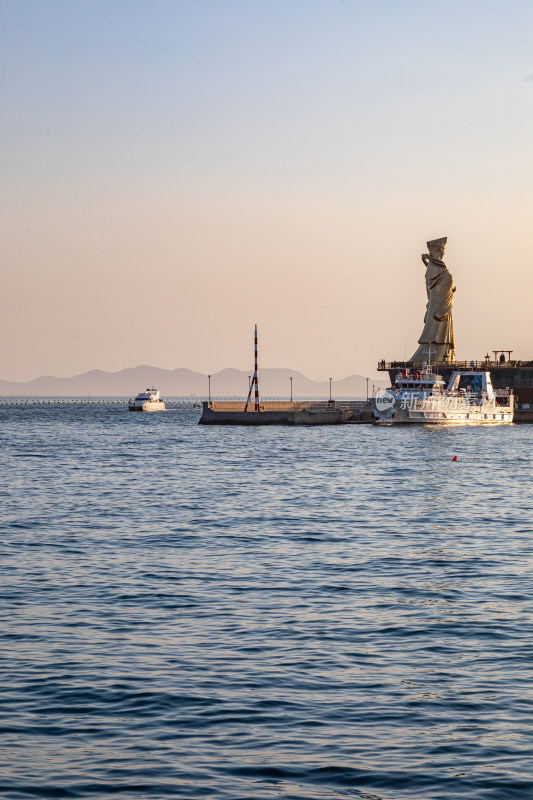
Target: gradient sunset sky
174,171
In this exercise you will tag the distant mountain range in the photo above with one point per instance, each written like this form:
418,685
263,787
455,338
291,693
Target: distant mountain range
184,382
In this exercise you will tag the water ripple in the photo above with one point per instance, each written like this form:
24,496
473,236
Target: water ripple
272,613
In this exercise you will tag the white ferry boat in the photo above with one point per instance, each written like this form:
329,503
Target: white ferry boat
147,401
422,397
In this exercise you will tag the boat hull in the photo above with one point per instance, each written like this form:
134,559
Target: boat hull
434,417
147,407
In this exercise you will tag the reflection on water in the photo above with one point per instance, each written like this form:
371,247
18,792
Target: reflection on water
228,613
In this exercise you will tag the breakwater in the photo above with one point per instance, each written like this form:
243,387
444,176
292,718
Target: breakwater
288,413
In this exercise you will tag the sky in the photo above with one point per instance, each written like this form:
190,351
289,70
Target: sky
174,171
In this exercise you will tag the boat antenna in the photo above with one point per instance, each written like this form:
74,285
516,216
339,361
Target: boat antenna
429,351
255,379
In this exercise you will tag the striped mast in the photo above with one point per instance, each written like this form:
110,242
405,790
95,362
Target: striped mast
255,380
255,371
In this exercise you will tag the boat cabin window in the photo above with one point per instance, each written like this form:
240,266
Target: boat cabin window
471,383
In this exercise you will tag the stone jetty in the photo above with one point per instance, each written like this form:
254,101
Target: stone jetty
301,412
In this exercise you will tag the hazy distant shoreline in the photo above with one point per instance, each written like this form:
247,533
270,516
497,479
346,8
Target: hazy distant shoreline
184,382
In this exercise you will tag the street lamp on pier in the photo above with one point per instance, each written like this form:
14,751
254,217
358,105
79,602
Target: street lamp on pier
330,389
291,387
209,377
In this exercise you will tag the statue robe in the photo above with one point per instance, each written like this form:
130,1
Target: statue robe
438,323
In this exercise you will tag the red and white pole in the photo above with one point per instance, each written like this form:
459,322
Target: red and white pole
255,373
255,380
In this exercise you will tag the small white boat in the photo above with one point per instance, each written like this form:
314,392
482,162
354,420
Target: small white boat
422,397
147,401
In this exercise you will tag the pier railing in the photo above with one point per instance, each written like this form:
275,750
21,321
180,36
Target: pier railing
287,405
384,366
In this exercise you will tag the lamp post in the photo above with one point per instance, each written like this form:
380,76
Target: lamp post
209,377
330,389
291,387
367,389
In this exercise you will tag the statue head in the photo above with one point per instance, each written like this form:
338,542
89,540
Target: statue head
436,247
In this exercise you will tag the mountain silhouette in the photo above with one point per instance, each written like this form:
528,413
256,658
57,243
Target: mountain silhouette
184,382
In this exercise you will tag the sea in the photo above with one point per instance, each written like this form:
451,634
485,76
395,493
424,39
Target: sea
235,613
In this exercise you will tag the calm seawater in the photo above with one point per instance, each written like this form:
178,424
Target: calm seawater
233,613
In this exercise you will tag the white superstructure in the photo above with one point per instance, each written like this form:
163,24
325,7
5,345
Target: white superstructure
422,397
147,401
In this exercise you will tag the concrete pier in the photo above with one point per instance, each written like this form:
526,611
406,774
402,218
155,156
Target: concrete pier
288,413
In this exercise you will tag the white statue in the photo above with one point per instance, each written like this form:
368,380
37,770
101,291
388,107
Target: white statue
437,342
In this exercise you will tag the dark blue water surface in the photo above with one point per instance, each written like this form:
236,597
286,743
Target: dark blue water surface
231,613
